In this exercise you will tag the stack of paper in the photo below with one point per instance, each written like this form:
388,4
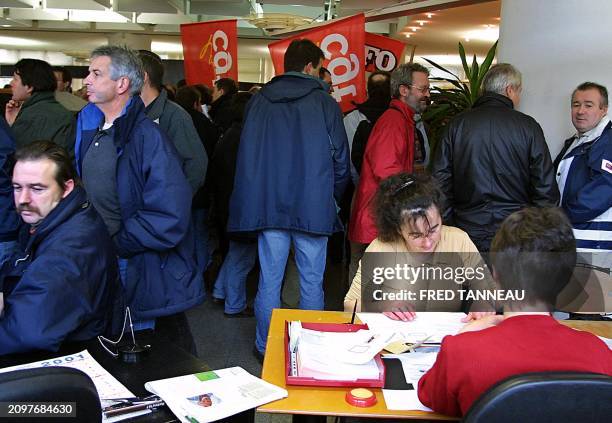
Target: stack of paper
214,395
342,356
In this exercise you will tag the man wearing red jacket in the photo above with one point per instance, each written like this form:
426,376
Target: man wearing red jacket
534,251
390,149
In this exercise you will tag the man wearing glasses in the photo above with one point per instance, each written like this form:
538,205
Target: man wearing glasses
493,160
392,148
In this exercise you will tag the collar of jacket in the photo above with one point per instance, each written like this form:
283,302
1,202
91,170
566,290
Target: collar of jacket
494,100
38,97
405,109
66,208
91,117
156,108
305,76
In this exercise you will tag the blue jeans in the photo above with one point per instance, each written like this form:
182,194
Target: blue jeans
7,248
231,281
200,227
310,255
138,324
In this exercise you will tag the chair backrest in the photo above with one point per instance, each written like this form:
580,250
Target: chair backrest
53,384
546,397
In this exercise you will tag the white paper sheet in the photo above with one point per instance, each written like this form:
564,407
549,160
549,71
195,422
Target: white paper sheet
210,396
107,386
403,400
434,325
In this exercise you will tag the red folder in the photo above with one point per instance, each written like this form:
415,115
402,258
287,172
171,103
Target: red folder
308,381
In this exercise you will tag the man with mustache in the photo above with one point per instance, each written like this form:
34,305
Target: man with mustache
62,283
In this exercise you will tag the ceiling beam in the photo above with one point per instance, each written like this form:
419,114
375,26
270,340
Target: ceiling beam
413,7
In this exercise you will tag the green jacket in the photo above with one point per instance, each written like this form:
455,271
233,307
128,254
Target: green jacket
42,118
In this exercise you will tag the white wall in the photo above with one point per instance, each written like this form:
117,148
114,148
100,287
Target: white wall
556,44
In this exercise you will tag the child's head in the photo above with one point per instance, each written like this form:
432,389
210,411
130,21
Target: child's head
534,250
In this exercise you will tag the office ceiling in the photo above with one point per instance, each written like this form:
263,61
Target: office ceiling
80,25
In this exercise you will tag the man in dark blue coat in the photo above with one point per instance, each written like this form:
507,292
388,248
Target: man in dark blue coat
292,168
62,283
133,177
8,218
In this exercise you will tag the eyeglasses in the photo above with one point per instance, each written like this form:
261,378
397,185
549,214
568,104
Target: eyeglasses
422,90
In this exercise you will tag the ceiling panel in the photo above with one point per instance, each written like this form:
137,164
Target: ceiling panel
144,6
74,4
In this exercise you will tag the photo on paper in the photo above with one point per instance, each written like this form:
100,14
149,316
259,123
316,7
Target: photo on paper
205,400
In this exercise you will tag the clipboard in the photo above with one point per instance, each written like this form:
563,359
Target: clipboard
308,381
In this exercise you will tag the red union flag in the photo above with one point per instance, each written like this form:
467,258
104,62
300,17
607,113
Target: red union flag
342,42
382,53
210,51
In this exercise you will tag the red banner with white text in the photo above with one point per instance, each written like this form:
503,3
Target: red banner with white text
210,51
382,53
343,44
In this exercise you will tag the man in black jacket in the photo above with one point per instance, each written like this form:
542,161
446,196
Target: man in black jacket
493,160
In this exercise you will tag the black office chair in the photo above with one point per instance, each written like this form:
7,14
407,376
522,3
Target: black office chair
546,397
53,384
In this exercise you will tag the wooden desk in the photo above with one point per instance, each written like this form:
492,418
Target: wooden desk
598,328
311,399
330,401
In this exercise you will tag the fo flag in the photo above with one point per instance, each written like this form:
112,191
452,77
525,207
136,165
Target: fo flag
342,42
210,51
382,53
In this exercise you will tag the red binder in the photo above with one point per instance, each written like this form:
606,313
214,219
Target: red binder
308,381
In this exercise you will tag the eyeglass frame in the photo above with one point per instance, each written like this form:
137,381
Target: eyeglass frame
422,90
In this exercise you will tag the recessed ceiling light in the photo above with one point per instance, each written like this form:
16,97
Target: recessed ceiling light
414,28
407,35
429,15
467,39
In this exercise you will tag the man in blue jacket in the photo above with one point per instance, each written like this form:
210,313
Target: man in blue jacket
133,177
292,168
8,218
63,282
584,170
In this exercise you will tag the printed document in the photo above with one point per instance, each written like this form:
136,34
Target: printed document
214,395
107,386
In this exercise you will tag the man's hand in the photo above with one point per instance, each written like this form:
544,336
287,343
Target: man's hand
476,315
482,323
11,111
401,314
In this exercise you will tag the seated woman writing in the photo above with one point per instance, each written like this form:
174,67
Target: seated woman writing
412,237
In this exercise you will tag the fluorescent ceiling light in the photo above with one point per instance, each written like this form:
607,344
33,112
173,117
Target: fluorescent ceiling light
16,42
166,47
490,33
96,16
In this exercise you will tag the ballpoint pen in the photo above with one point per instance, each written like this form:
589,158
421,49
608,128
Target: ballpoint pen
131,407
354,312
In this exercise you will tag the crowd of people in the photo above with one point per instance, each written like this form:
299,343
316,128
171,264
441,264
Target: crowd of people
111,202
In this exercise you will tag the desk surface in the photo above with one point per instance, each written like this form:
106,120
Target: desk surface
330,401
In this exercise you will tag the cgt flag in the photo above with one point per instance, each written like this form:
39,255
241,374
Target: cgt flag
210,51
342,42
382,53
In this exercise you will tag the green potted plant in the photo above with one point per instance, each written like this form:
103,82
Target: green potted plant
447,103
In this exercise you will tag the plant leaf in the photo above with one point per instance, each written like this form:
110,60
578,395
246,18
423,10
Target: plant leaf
466,68
434,64
486,64
474,81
